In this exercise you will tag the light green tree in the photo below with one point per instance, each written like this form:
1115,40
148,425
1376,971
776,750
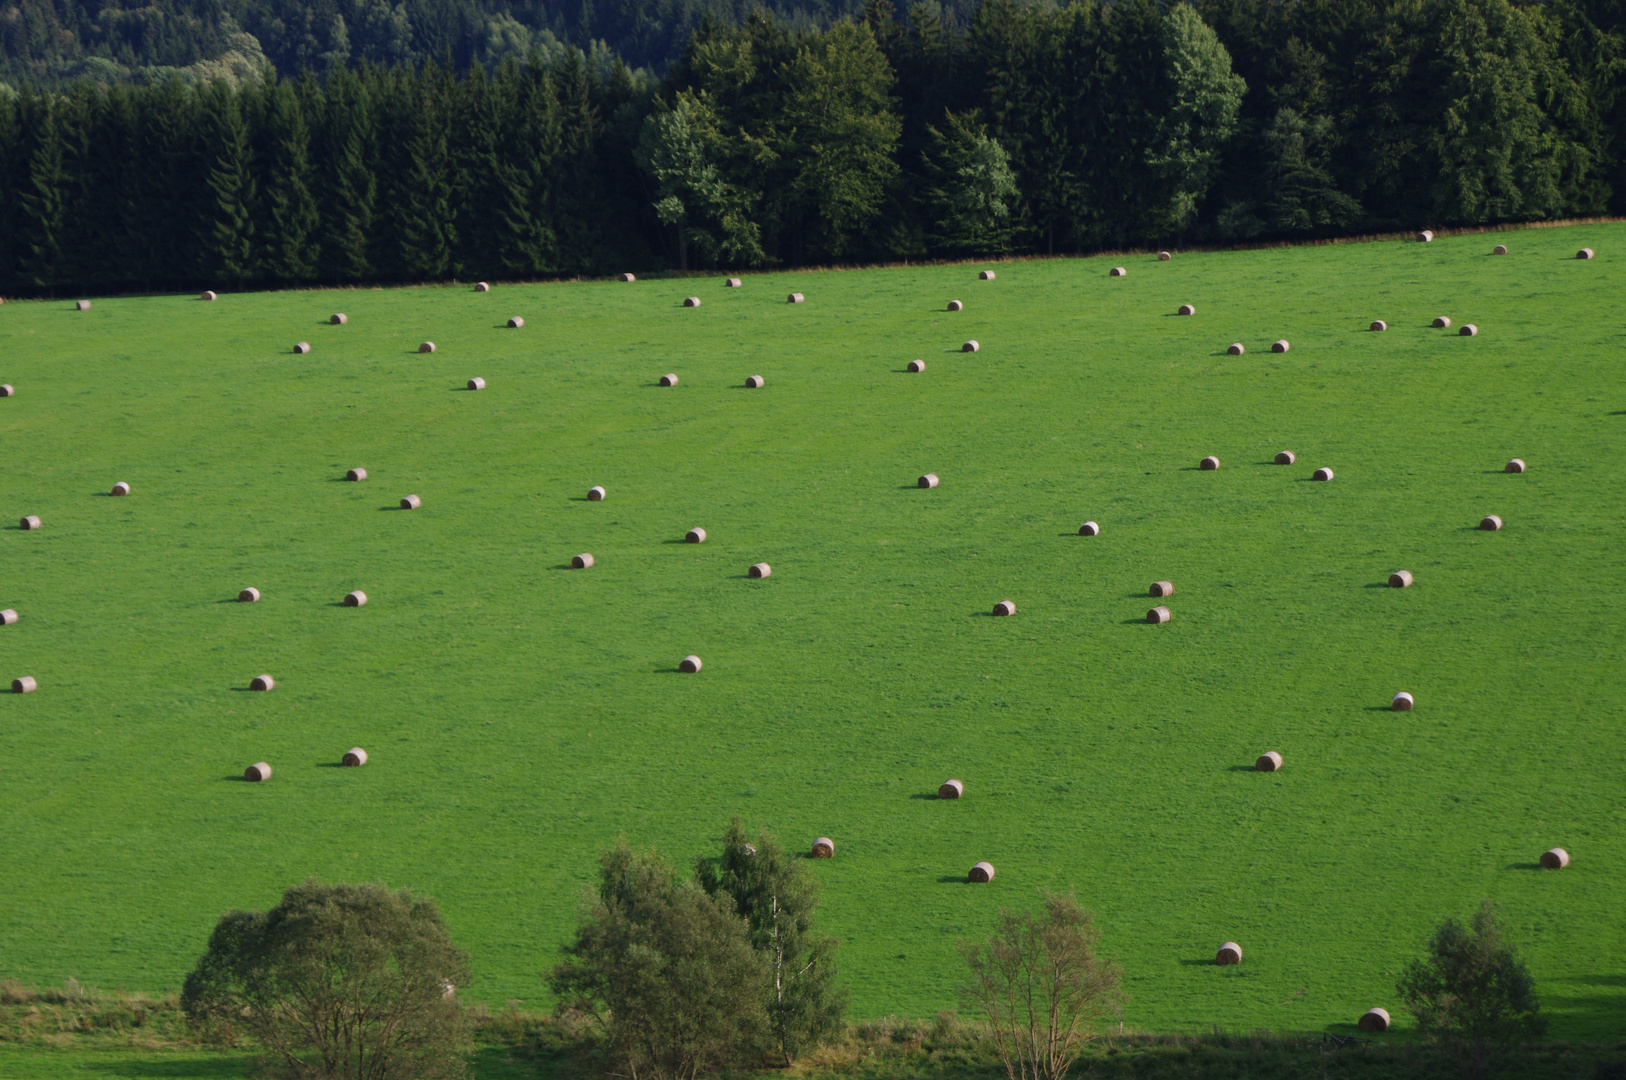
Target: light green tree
973,190
1198,116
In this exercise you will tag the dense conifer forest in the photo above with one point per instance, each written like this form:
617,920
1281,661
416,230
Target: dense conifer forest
231,143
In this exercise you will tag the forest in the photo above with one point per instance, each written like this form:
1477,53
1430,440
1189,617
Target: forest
791,137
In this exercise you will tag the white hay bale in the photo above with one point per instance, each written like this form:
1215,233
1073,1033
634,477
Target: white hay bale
1516,465
1491,523
1584,253
339,318
24,685
1469,330
1378,324
971,346
1374,1020
690,664
354,758
358,473
1426,236
302,347
1209,463
1187,309
916,366
628,277
1159,614
515,323
583,561
1229,953
1286,457
1235,349
756,382
1269,761
1442,323
955,305
1089,528
691,301
1499,249
1321,474
7,390
669,379
257,772
595,494
411,502
250,595
824,848
1403,702
1555,858
32,521
928,481
695,535
1164,256
1117,271
734,283
8,616
759,570
355,598
477,383
120,489
981,874
426,347
986,275
482,286
1161,588
1400,579
1005,607
262,682
208,294
84,305
794,298
950,789
1280,345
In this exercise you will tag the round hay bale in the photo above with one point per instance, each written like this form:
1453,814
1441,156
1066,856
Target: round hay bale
427,347
1378,324
1209,463
1321,474
1280,345
759,570
1469,330
515,323
358,473
756,382
32,521
1374,1020
1442,323
1584,253
734,283
986,275
257,772
84,305
950,789
1163,256
1425,237
669,379
355,598
354,758
477,383
120,489
411,502
690,664
928,481
1269,761
7,390
628,277
1516,465
695,535
1159,614
1499,249
262,682
302,347
824,848
1229,953
1161,588
917,366
595,494
1553,858
339,318
1403,702
1089,528
24,685
1235,349
8,616
1187,309
208,294
482,286
971,346
250,595
794,298
581,562
981,874
1117,271
1286,457
1005,607
691,301
1400,579
1491,523
955,305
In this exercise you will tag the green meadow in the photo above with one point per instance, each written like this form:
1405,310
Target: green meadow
520,715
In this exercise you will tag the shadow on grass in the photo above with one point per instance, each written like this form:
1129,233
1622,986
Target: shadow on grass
1207,961
954,879
236,778
932,795
1380,708
1242,768
1377,585
214,1068
1525,866
1142,621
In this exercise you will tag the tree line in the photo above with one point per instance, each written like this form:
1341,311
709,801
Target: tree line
896,136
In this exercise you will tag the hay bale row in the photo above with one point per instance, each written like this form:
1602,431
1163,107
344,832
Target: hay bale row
955,305
795,298
759,570
971,346
24,685
1005,607
1235,349
950,789
262,682
476,383
1499,249
356,598
695,535
7,390
1426,236
257,772
1403,702
1280,345
1229,953
1469,330
1491,523
1400,579
669,379
8,616
1159,615
1555,858
734,283
1442,323
1286,457
986,275
1322,474
29,523
411,502
354,758
691,301
1117,271
302,347
628,277
928,481
84,305
1378,324
1089,528
917,366
250,595
1209,463
515,323
1374,1020
339,318
1269,761
1584,253
981,874
824,848
120,489
1163,256
1516,465
1161,588
1187,309
583,561
690,664
595,494
482,286
356,474
208,294
756,382
427,347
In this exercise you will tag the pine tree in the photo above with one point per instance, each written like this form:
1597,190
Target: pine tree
44,198
227,226
288,231
352,189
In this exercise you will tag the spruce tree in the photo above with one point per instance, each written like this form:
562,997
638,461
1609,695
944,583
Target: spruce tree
352,189
288,232
44,198
227,226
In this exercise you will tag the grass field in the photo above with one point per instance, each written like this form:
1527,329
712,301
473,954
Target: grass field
520,715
